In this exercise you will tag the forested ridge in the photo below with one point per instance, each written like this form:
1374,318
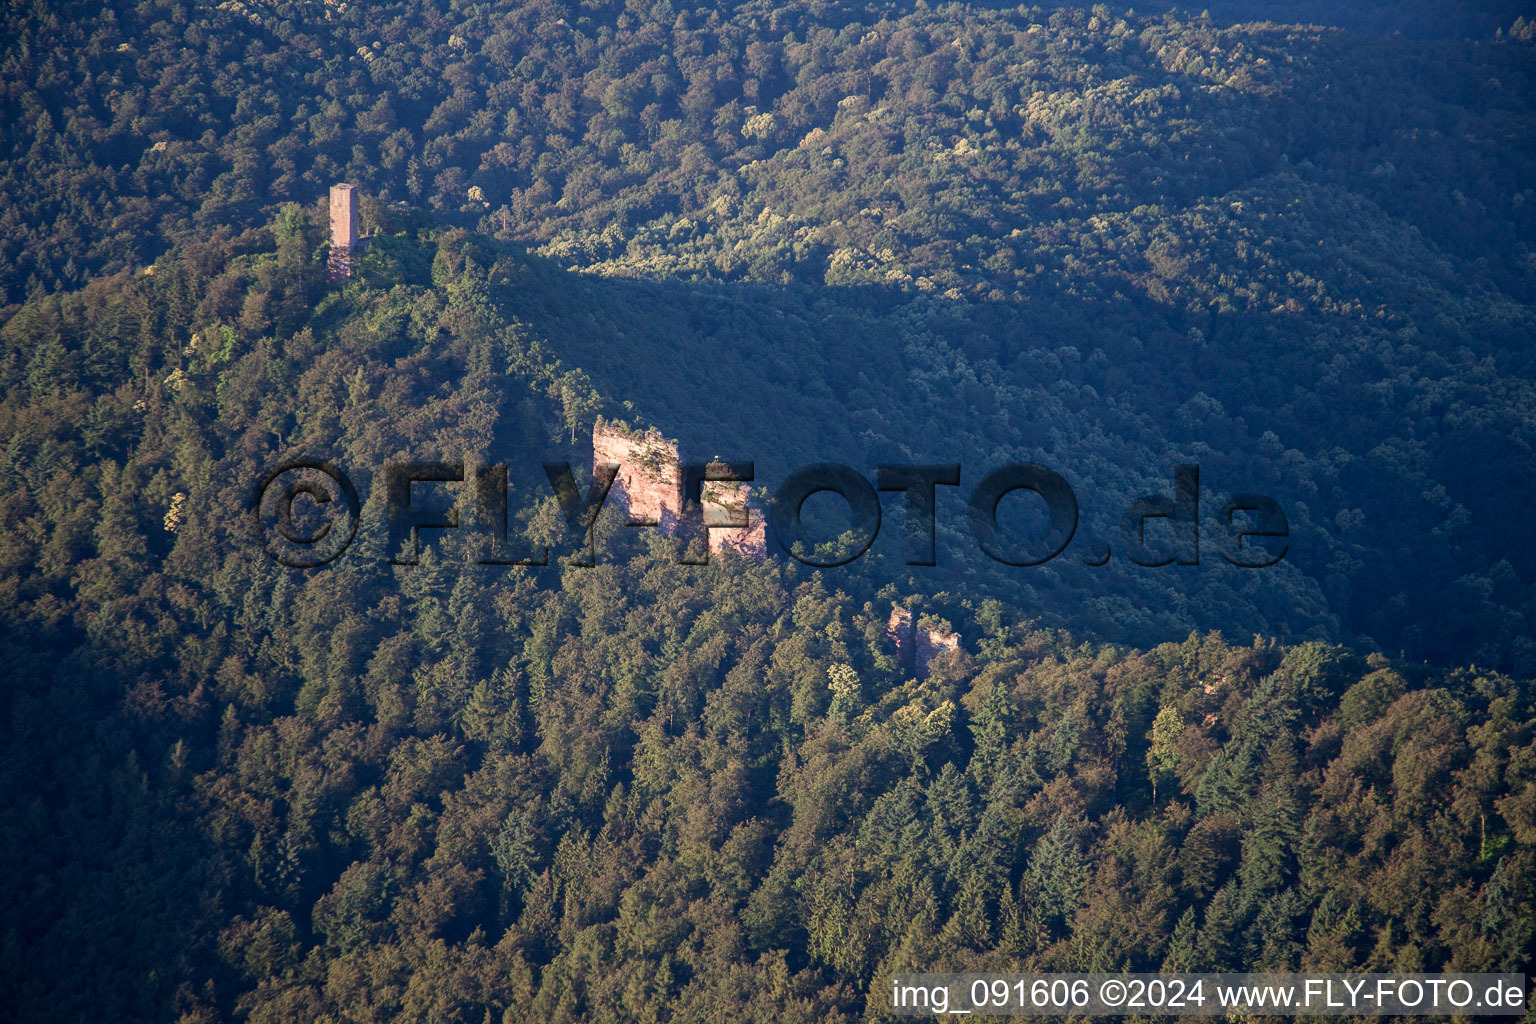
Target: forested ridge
1109,241
638,791
956,147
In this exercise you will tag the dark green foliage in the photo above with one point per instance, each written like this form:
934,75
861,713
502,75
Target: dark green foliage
642,791
649,791
1103,240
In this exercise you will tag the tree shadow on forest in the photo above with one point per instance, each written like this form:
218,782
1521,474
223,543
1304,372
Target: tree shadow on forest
112,884
1112,395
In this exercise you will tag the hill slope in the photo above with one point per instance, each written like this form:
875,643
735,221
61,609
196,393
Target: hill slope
639,791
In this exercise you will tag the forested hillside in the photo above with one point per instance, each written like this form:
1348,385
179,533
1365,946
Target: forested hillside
642,791
956,147
1108,242
1289,243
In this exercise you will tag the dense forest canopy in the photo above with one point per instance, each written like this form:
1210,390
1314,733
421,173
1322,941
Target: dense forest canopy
1474,20
1110,241
638,791
606,128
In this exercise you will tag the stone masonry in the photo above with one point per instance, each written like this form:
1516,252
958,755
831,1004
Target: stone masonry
344,238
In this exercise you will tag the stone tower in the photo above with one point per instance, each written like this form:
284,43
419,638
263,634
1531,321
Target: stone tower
343,216
343,229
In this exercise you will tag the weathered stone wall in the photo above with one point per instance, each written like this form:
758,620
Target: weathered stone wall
344,241
917,645
343,216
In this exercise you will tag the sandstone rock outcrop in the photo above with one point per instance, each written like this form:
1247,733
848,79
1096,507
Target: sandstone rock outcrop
726,503
917,645
649,483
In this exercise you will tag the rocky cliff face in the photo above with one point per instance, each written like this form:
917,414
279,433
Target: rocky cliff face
726,503
650,485
930,644
916,644
899,629
647,482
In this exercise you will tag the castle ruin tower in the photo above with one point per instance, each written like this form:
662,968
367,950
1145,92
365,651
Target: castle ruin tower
343,229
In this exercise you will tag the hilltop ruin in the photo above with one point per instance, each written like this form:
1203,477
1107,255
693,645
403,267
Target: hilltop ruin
917,645
344,237
650,484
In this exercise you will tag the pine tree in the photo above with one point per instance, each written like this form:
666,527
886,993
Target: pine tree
1057,873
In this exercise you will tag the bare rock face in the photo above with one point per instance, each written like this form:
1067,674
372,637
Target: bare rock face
931,643
726,503
899,628
917,645
649,483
